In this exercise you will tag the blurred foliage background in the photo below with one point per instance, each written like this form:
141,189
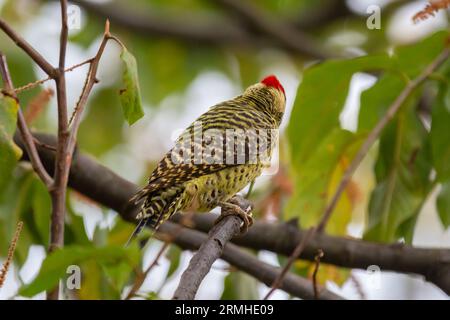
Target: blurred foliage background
340,77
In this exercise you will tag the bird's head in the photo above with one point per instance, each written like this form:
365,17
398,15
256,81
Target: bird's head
270,91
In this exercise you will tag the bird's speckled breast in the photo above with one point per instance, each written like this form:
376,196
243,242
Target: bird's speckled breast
212,189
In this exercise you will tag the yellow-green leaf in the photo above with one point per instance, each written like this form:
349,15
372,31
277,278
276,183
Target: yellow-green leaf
130,95
9,152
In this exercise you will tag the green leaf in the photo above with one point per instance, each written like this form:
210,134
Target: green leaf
405,151
440,133
402,173
318,163
55,265
9,152
15,203
317,178
101,129
130,95
320,99
443,204
174,255
240,286
41,205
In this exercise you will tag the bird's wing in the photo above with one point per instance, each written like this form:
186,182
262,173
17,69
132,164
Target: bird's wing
174,170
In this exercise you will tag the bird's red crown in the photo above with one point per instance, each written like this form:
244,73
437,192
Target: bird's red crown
272,81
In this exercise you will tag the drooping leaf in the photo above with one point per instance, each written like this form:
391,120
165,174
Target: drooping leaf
10,153
15,203
320,99
41,205
402,173
174,255
318,163
443,205
404,162
440,133
130,95
317,178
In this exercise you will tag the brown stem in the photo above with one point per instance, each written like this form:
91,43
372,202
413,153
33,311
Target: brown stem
25,46
298,249
63,156
317,258
12,247
41,81
140,278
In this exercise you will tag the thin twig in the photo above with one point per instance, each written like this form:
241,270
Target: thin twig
291,260
91,79
25,46
31,85
317,258
141,276
295,285
12,248
23,128
371,138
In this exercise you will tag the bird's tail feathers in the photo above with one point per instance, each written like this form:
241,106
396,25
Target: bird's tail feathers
153,213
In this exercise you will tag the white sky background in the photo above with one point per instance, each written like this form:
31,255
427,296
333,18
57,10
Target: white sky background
158,128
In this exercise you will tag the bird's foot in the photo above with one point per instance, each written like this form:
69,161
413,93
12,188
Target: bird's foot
229,209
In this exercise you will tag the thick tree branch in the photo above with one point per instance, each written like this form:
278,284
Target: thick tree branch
294,285
107,188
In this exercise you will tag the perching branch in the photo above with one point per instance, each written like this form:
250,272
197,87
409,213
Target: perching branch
192,240
209,251
107,188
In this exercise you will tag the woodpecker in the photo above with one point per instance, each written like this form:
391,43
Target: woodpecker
217,156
